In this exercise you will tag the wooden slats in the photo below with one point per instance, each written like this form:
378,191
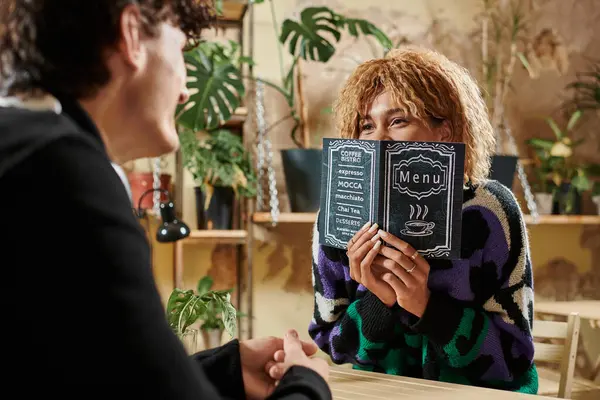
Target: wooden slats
549,329
549,352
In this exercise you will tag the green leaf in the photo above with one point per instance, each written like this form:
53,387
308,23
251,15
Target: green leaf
573,120
219,7
204,285
555,128
217,88
183,309
229,315
306,38
581,183
543,144
246,60
356,26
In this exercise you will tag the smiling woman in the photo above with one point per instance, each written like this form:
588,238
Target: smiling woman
387,308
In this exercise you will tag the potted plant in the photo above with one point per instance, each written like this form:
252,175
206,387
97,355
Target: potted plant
311,38
508,38
212,309
596,196
222,170
570,178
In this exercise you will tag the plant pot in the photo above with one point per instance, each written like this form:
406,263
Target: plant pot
544,203
219,214
596,200
190,341
142,181
503,169
211,337
567,201
302,170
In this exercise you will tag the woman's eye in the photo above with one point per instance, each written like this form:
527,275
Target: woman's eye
398,121
366,127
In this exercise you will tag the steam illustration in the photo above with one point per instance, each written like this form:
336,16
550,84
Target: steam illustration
424,209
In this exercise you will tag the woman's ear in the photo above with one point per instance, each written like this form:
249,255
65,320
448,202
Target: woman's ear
445,131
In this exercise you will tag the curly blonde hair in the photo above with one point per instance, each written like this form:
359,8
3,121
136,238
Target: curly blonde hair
427,86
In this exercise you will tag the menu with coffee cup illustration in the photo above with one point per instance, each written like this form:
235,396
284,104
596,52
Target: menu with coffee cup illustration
411,189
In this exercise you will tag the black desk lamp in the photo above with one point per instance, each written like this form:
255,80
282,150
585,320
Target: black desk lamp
171,229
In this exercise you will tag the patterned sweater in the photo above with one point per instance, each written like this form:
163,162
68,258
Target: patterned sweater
476,329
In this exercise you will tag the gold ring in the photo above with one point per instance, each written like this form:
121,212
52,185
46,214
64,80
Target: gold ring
414,256
412,269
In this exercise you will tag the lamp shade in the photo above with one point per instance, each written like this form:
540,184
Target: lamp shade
171,229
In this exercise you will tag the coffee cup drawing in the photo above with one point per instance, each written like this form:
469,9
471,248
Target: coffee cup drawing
418,226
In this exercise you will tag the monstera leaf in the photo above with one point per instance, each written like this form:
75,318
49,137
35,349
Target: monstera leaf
216,88
357,26
306,37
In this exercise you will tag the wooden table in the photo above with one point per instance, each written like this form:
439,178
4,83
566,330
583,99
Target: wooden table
348,384
587,309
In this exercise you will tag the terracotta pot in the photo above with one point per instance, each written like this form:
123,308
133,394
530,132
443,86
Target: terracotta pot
142,181
211,337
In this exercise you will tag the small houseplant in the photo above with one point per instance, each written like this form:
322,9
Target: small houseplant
222,170
596,196
211,308
311,38
570,178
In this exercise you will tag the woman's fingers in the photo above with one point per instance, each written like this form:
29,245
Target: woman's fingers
352,243
406,249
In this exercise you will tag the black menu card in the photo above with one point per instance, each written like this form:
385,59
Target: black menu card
413,190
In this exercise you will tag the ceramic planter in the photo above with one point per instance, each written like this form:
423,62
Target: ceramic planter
302,170
567,201
596,200
219,214
142,181
503,169
544,203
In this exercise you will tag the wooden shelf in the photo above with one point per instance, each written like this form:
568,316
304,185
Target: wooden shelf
265,217
564,220
216,236
233,11
309,218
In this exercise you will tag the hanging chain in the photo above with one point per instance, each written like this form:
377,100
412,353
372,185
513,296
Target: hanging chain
260,148
265,154
156,167
512,147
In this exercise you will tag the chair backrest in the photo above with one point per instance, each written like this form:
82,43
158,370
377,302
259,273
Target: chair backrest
563,354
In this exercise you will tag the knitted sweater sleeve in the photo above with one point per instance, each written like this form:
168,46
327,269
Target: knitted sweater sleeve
489,339
349,323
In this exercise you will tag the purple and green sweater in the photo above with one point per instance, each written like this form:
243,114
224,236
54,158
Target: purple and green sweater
476,329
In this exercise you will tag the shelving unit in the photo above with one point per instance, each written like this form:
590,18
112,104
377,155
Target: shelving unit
234,12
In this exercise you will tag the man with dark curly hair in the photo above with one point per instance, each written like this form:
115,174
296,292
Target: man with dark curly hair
87,83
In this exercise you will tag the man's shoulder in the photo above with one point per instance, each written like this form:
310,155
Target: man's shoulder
24,133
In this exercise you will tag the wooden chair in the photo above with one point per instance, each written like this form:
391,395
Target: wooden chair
563,354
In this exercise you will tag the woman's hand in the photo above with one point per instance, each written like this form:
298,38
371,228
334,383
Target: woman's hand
362,251
407,273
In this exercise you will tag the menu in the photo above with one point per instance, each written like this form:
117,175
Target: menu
411,189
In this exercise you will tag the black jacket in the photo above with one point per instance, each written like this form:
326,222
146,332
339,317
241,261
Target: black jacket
81,313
